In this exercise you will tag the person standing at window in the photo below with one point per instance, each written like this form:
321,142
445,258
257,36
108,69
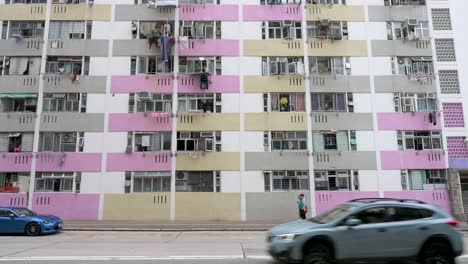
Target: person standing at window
302,206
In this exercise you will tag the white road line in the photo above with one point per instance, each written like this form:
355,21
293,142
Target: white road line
103,258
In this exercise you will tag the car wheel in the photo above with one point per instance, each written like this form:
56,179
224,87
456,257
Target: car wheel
437,253
318,254
33,229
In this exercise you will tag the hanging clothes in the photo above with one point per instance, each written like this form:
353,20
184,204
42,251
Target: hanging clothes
184,42
166,48
434,118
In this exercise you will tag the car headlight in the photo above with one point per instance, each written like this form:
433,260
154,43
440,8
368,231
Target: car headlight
288,237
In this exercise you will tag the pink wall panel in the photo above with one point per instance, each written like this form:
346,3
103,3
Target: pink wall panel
13,199
453,115
424,159
219,84
15,162
272,12
139,161
68,206
68,162
209,12
457,147
209,47
406,121
440,197
140,122
153,83
326,200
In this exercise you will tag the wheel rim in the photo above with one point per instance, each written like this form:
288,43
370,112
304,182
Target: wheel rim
33,229
437,254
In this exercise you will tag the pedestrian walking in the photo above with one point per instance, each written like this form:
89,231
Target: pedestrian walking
302,206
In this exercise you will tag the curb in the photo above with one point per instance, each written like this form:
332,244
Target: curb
107,229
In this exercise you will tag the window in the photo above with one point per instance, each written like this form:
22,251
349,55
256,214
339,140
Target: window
197,65
427,179
282,29
441,19
5,213
59,142
289,140
332,180
61,102
25,1
399,214
408,30
373,216
64,65
160,141
445,50
413,66
286,180
326,65
153,65
151,182
326,29
326,2
10,142
194,181
55,182
279,2
294,102
67,30
20,65
329,141
415,102
282,66
155,103
12,182
196,103
26,29
420,140
69,1
146,28
197,1
200,29
18,103
329,102
404,2
199,141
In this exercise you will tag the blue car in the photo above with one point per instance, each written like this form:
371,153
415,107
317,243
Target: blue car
22,220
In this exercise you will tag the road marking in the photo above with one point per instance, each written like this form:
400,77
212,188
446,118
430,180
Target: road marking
103,258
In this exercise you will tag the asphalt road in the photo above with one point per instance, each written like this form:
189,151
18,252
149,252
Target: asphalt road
141,248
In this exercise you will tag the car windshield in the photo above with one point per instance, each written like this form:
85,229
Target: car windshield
333,214
24,212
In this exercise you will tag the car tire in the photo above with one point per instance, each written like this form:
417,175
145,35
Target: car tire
33,229
437,252
318,254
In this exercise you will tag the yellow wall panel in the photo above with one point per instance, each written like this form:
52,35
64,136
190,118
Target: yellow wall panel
208,206
335,12
276,121
22,12
273,47
137,206
272,84
80,12
356,48
208,122
199,161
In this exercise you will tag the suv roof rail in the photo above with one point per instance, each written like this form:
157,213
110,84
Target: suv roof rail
373,200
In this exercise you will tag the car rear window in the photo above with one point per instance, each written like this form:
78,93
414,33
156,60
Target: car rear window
398,214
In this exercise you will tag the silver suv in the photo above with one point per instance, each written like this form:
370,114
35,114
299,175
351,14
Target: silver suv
373,230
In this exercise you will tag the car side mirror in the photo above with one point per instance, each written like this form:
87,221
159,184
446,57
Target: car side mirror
12,215
353,222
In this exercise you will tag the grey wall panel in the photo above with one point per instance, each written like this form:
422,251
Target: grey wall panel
78,47
69,122
142,13
400,48
64,84
396,13
276,160
17,122
19,84
340,83
402,83
274,206
135,47
11,47
346,160
342,121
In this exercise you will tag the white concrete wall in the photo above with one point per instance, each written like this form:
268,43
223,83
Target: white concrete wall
230,141
362,102
115,142
230,181
386,140
252,102
90,182
253,141
390,180
230,103
368,180
384,102
365,140
254,181
93,142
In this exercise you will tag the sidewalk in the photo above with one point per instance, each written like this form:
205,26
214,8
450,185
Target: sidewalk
167,226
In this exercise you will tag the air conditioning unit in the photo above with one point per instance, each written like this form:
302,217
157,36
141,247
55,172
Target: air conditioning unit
59,96
184,135
287,23
206,134
144,96
182,176
278,135
412,22
325,22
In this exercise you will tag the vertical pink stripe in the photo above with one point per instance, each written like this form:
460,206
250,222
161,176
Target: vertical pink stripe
68,162
423,159
406,121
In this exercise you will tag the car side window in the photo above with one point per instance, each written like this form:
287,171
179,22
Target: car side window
408,214
372,215
4,213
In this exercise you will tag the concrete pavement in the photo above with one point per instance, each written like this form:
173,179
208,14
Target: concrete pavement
88,247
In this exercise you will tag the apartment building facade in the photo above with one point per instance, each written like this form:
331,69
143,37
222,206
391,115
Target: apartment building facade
228,109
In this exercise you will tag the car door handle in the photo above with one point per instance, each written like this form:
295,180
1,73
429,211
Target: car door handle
424,228
381,230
